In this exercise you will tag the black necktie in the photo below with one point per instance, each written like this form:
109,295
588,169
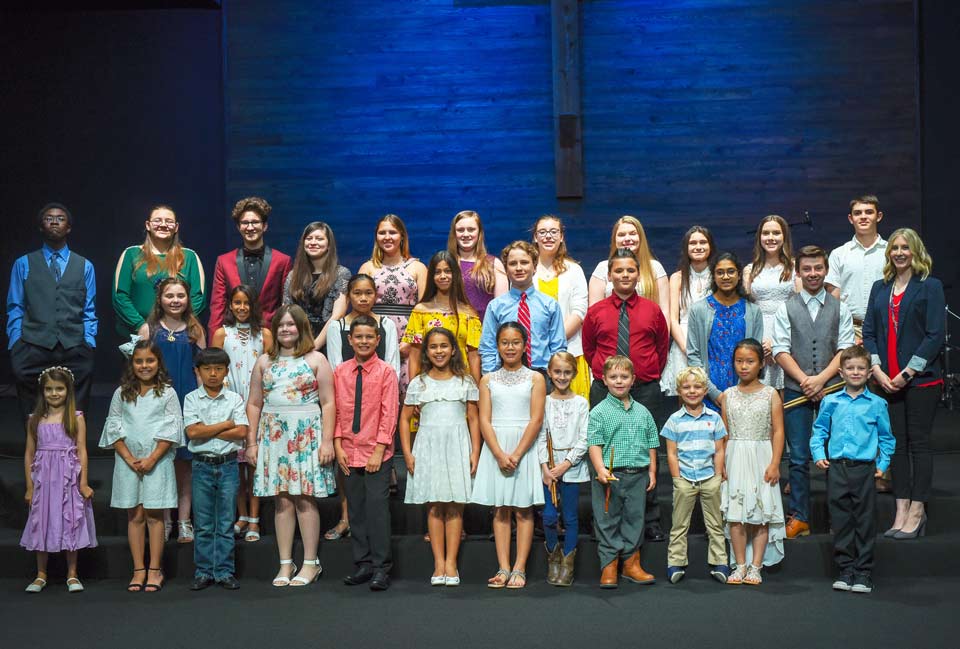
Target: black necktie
623,331
358,400
55,266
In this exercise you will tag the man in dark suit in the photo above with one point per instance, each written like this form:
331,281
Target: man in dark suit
255,264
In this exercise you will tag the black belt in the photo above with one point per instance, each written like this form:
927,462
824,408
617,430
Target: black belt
215,459
845,462
631,470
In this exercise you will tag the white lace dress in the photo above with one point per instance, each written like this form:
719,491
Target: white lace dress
699,288
441,448
770,293
510,399
243,348
745,497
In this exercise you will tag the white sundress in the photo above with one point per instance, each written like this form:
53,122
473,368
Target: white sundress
699,288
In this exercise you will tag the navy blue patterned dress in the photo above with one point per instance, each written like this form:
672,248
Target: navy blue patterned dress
729,328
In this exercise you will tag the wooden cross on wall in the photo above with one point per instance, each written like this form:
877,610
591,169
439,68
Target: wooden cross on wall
567,132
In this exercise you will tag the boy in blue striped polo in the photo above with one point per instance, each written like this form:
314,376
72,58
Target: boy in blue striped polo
694,436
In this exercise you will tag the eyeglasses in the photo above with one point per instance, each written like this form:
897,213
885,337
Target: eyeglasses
729,272
54,219
250,224
158,223
554,232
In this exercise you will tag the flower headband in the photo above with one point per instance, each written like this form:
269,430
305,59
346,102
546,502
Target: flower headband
65,370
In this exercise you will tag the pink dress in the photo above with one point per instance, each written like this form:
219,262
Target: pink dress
60,518
397,294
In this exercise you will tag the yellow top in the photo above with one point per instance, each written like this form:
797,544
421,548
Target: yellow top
467,331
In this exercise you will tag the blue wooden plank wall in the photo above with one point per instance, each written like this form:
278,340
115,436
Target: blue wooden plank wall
694,111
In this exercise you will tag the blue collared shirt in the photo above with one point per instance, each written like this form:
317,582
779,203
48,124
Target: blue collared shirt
15,304
546,327
696,438
856,428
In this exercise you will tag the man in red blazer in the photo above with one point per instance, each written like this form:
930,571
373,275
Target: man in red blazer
255,264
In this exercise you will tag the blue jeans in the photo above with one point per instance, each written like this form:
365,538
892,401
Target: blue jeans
798,422
569,494
214,504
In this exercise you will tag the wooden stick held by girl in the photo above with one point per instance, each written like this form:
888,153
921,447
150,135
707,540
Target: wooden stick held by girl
443,459
55,464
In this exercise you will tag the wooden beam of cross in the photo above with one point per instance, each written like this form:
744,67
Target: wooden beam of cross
567,138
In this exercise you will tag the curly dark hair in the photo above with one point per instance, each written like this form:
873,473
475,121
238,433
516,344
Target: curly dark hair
255,204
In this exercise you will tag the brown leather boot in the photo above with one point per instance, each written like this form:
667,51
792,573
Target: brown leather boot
609,576
633,571
553,564
565,574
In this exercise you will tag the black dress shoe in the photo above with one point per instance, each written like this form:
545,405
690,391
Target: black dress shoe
201,582
653,532
380,581
361,576
230,582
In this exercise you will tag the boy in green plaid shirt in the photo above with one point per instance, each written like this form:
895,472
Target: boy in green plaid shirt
622,429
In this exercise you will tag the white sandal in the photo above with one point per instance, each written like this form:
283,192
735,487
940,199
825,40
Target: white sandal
237,530
74,585
280,582
301,581
36,585
736,577
252,535
753,577
184,532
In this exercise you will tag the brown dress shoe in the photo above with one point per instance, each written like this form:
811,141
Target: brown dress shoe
796,527
608,578
633,571
565,574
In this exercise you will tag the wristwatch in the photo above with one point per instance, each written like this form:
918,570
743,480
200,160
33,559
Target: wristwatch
905,375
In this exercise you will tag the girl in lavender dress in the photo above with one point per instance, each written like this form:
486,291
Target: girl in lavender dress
61,516
484,277
771,281
400,281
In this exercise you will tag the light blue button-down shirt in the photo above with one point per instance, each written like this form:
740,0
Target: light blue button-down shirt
546,327
15,295
200,408
857,428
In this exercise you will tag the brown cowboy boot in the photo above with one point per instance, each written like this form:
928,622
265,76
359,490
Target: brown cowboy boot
633,571
553,564
565,575
609,576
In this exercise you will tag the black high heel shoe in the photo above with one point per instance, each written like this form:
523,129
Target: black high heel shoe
920,531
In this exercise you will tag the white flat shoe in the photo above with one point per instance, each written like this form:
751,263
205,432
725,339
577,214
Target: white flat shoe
302,581
36,585
74,585
282,582
439,580
452,581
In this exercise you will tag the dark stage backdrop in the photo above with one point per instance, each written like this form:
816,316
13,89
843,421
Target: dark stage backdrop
110,112
693,112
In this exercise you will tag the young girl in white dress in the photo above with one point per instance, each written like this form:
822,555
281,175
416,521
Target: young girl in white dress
144,426
443,458
750,496
508,474
689,284
771,281
244,339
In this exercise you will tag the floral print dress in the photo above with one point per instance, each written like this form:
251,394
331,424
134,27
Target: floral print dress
290,432
729,328
397,294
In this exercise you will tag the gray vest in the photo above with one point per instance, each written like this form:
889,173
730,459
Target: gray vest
813,344
53,312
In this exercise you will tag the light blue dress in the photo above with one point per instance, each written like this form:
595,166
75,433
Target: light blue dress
510,400
141,424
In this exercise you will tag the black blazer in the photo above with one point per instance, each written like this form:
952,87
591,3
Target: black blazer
921,331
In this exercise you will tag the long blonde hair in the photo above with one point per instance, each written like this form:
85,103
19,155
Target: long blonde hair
922,263
483,273
647,281
173,259
376,257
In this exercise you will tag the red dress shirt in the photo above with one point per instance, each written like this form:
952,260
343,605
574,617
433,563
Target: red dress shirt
649,336
380,405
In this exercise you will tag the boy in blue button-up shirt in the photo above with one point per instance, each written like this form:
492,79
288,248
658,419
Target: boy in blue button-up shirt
860,444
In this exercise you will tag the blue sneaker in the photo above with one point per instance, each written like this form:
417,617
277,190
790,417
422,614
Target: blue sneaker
675,573
720,573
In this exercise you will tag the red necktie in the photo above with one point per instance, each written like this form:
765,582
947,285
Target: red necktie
523,317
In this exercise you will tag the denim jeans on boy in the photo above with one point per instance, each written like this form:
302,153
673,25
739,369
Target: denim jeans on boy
798,422
214,506
569,495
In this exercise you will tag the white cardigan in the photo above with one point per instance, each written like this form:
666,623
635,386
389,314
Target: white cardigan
572,296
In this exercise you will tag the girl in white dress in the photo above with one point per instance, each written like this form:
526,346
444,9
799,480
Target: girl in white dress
508,475
750,496
653,284
443,458
689,284
144,426
244,339
771,281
